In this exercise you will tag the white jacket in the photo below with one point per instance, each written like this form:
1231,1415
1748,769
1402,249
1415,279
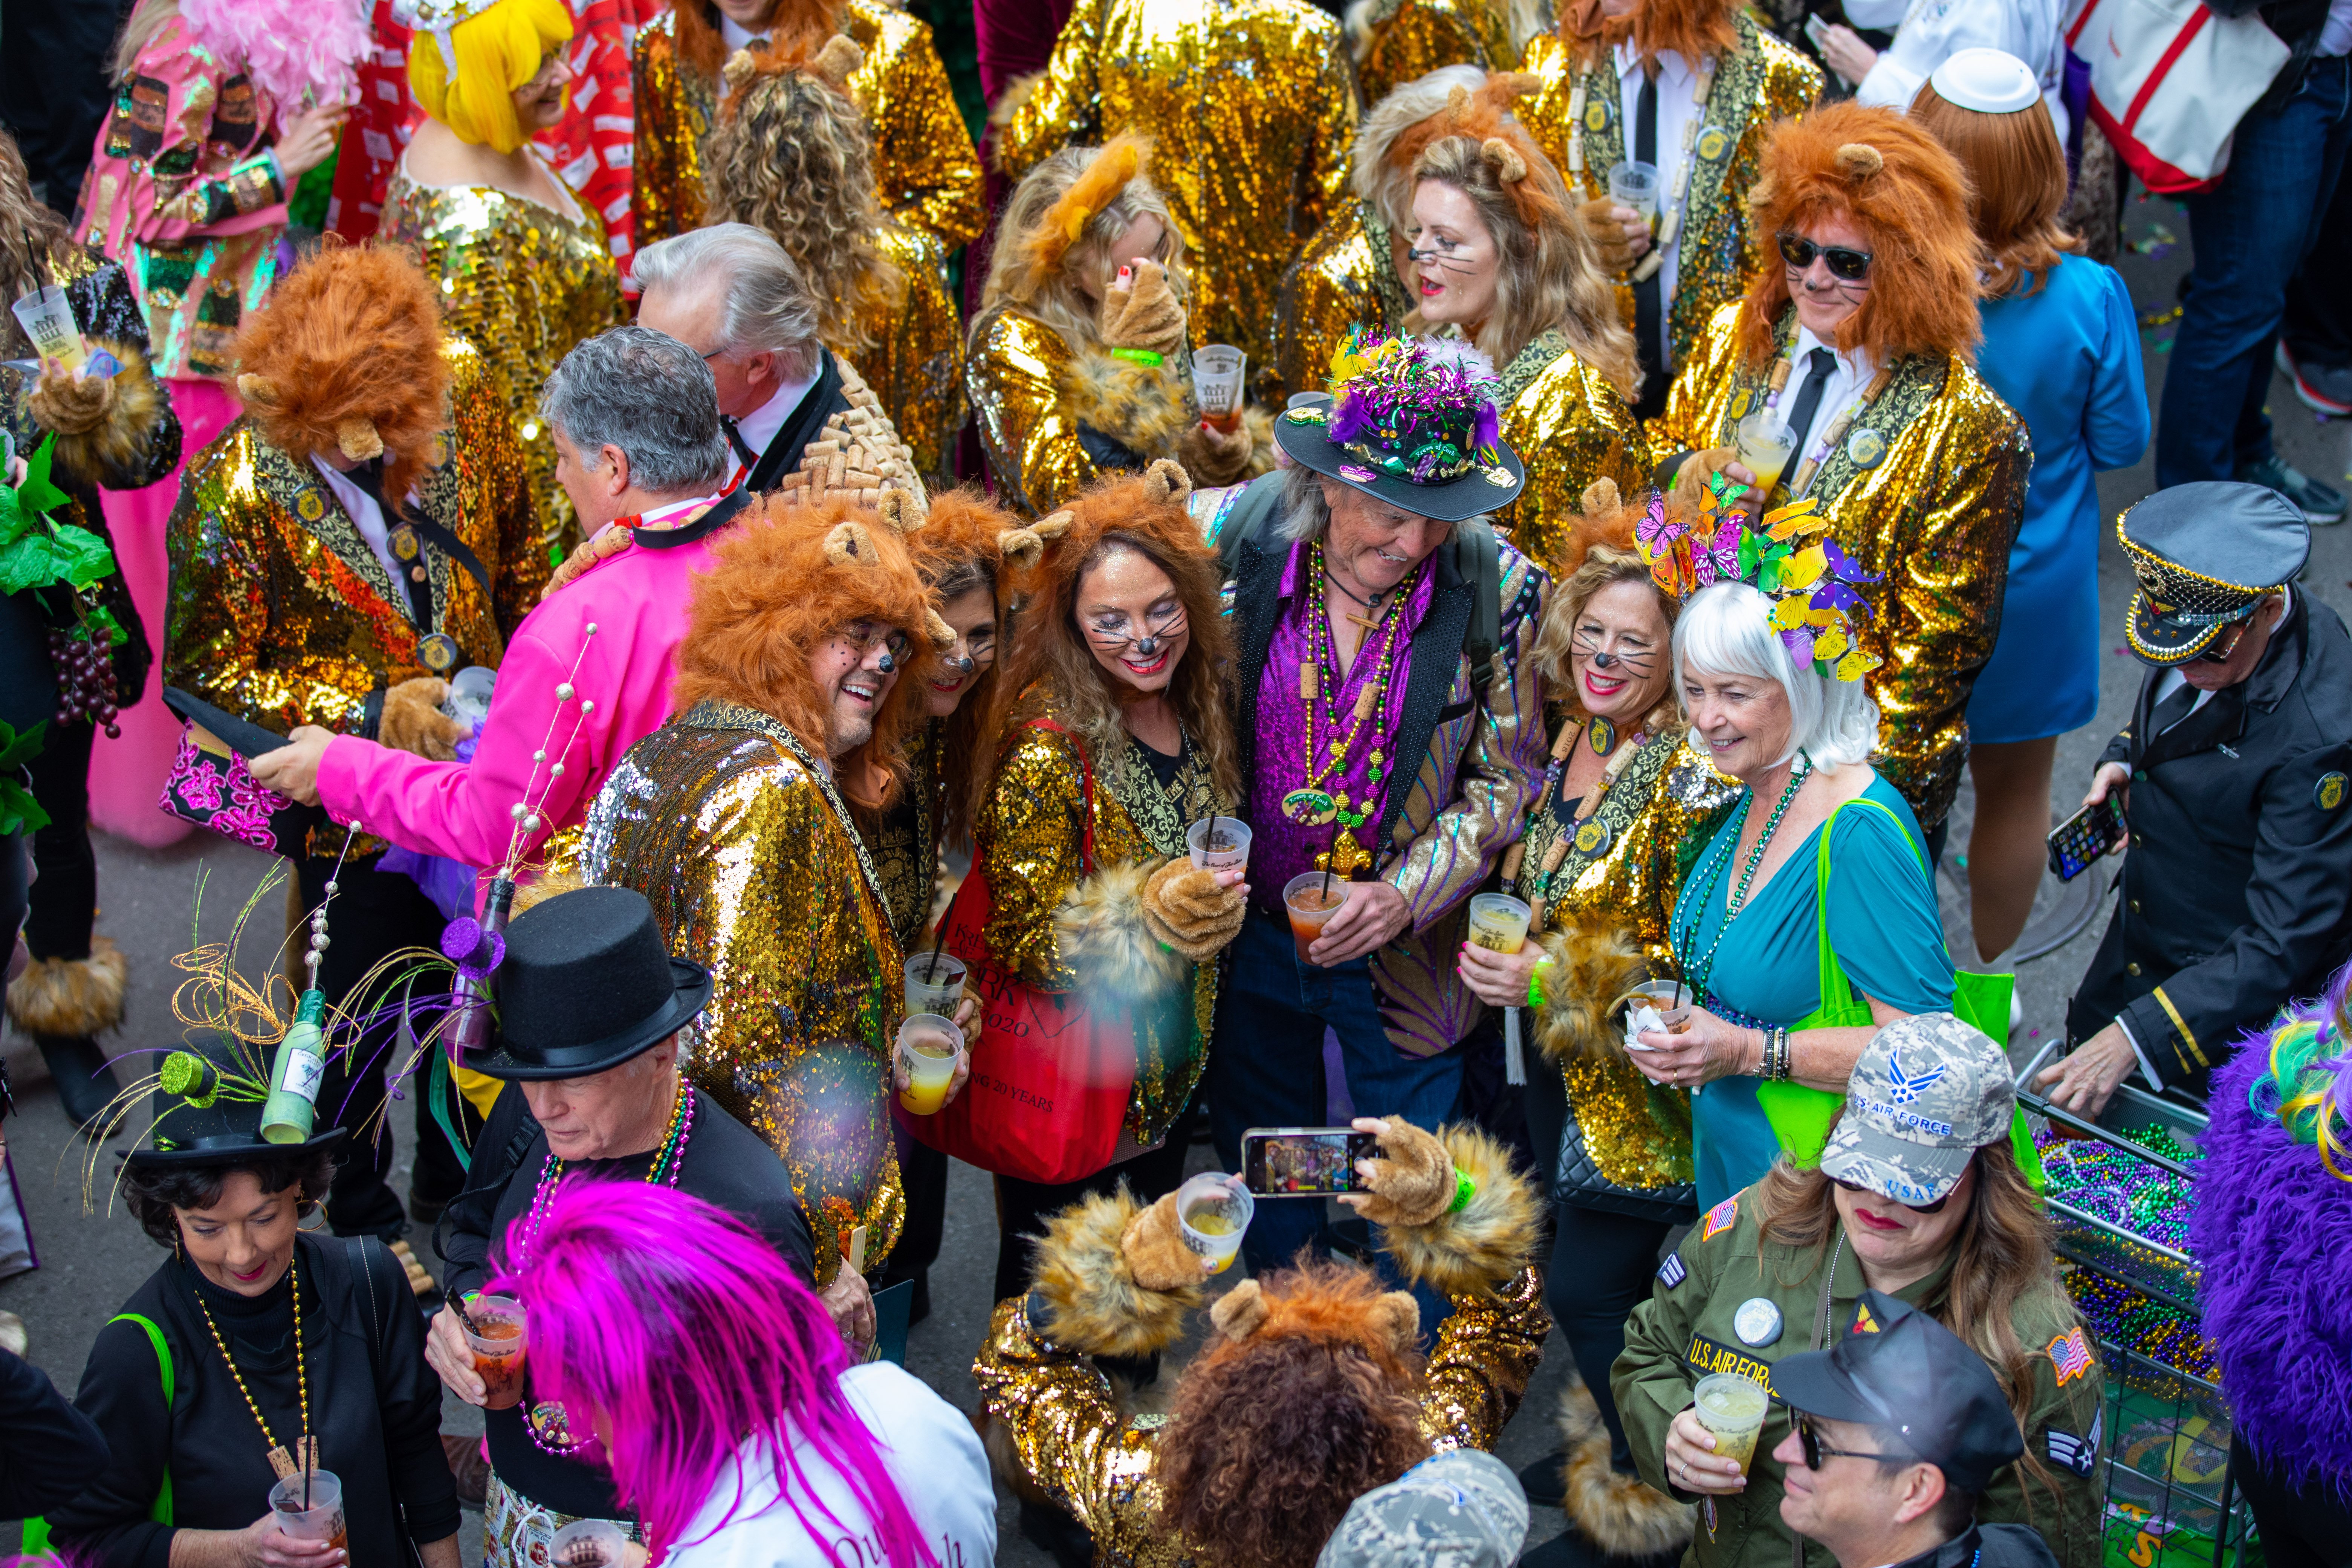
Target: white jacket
1930,32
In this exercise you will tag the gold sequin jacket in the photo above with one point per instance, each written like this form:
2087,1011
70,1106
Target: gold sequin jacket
525,284
1032,398
1398,41
904,841
754,870
1029,843
1346,278
1762,82
1100,1462
1252,108
281,614
926,170
1569,426
1936,514
914,360
1659,813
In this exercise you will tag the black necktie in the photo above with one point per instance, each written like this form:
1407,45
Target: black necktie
1820,364
2171,711
1649,292
743,452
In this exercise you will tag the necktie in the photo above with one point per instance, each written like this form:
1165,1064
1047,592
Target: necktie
743,452
1649,293
1820,364
2171,711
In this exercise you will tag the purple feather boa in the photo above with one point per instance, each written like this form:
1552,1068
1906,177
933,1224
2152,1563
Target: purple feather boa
2273,1232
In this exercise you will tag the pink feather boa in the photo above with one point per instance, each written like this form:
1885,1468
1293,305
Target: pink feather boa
288,46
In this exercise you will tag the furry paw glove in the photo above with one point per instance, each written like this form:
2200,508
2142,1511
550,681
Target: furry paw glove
412,721
1608,234
70,408
606,541
1186,909
1154,1246
1147,316
1414,1183
1210,463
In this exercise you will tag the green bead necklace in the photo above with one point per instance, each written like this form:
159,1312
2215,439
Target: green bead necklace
1701,972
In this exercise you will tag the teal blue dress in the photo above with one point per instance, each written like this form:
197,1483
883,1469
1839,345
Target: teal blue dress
1884,927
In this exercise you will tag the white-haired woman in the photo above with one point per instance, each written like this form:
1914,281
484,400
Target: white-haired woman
1747,924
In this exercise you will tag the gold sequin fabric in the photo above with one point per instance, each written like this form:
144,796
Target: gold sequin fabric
753,871
926,170
904,841
1346,278
1762,82
1936,514
1659,812
1398,41
1570,426
279,611
522,282
915,362
1252,107
1076,1442
1028,839
1021,376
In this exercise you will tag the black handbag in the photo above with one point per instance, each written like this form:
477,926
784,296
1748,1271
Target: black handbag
1573,1179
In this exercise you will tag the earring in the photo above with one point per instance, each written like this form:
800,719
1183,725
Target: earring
318,1213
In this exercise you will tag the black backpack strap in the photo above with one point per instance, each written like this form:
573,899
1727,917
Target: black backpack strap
1478,558
1251,520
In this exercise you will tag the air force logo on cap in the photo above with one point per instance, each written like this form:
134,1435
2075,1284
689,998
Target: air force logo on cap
1903,1090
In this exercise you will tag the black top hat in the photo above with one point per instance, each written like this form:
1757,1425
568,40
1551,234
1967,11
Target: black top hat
1414,423
587,984
208,1102
2206,554
1901,1370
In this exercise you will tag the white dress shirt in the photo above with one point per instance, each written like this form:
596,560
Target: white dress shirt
1930,32
760,426
368,518
1676,111
1847,383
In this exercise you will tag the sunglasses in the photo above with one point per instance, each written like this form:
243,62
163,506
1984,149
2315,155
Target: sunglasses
2222,648
1935,1208
1851,266
1816,1450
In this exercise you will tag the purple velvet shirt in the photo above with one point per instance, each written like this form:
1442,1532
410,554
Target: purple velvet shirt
1282,848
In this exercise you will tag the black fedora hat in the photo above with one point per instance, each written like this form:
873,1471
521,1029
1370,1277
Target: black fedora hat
587,984
209,1097
1414,422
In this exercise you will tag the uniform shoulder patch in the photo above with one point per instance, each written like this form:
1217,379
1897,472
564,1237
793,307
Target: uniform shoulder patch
2078,1454
1863,1323
1672,1271
2070,1353
2330,791
1719,1220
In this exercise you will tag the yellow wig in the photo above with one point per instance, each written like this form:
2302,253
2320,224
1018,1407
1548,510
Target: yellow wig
497,51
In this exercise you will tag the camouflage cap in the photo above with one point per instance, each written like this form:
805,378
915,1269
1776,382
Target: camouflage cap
1928,1092
1463,1509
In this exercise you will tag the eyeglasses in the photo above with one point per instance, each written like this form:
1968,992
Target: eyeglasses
2223,649
1850,266
1935,1208
1110,642
1816,1450
865,636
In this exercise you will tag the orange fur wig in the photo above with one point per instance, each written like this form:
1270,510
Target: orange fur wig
1537,191
346,356
793,26
964,526
960,546
1476,114
785,580
1691,28
1908,195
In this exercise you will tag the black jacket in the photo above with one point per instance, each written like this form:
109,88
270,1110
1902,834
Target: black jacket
2237,893
1988,1546
49,1450
375,1409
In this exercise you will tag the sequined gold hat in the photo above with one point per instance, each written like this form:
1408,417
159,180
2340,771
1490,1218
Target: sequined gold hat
2206,556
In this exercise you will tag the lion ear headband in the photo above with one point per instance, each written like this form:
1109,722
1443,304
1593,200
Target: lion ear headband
850,548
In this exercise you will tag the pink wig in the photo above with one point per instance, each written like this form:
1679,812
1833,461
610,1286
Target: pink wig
683,1329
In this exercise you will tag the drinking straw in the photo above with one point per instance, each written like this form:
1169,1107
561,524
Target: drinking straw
1327,866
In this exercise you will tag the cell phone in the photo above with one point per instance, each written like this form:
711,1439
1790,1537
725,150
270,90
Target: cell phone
1305,1162
2085,836
1816,30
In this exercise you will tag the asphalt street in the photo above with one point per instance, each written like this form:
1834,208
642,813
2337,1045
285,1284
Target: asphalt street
92,1255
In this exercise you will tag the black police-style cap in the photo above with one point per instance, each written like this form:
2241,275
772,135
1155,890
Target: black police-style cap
1900,1369
2206,554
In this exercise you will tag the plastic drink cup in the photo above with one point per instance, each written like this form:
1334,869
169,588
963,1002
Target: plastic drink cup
1229,848
1217,383
1635,186
1732,1408
934,983
1214,1210
1765,446
1498,923
588,1543
1673,1002
498,1348
309,1506
47,316
1311,907
928,1048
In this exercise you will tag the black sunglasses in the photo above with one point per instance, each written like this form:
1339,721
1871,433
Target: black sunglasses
1851,265
1816,1450
1935,1208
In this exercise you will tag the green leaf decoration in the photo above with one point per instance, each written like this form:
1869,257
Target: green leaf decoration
65,553
37,493
19,812
14,519
84,559
16,748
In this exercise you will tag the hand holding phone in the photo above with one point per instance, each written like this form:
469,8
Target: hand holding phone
2083,837
1305,1162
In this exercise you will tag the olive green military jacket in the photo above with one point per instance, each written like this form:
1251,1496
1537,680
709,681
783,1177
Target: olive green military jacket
1692,1324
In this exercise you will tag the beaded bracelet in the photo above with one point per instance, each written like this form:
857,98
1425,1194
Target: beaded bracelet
1535,984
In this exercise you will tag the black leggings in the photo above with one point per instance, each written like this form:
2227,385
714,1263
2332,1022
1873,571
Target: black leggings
64,898
2301,1527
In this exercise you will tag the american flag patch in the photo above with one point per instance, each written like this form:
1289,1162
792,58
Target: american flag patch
1671,1270
1719,1218
2070,1353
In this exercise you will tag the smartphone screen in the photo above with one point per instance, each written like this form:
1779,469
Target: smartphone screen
1304,1161
2085,836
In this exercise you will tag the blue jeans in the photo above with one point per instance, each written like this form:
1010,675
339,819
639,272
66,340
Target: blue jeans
2250,235
1266,1070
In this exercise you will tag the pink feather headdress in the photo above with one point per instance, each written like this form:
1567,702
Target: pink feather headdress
288,46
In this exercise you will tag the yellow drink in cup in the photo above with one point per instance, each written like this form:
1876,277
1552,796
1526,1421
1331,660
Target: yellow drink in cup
1212,1211
1732,1408
1498,923
1765,446
929,1049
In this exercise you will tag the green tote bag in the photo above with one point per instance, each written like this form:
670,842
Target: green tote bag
36,1530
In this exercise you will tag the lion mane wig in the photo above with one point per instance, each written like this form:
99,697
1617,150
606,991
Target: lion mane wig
1908,194
794,26
346,357
1691,28
787,578
1306,1398
961,547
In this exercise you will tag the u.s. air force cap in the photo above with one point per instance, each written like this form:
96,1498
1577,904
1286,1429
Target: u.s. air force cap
1927,1094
